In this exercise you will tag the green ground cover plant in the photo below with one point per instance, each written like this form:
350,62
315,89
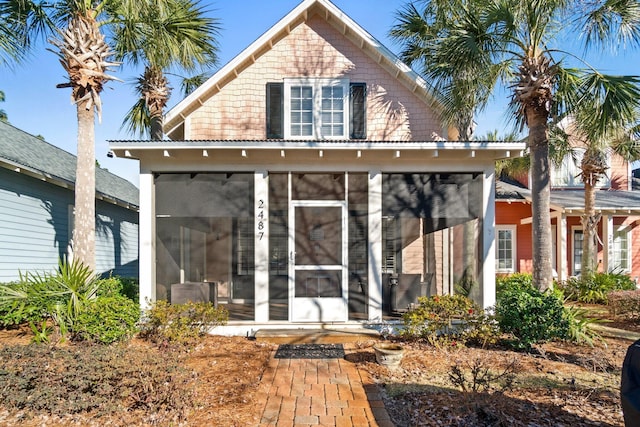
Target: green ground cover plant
183,324
594,288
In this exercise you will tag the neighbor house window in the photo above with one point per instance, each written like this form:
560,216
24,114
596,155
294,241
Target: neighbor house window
316,109
567,174
578,237
505,249
620,250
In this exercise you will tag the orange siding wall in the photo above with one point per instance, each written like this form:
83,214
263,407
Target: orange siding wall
510,214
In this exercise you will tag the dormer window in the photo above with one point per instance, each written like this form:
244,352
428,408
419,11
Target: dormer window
316,109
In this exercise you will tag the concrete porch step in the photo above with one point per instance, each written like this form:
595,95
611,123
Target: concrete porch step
316,336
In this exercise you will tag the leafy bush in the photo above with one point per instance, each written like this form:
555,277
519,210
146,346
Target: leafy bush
165,323
624,303
108,319
449,319
593,288
73,299
513,282
116,285
106,379
16,311
531,316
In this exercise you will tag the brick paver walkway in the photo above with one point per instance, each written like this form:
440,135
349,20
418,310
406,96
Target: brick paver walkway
319,392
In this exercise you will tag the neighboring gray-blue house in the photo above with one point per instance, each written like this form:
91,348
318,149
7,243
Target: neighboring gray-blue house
36,209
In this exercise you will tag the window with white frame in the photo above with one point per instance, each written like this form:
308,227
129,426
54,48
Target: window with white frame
316,109
578,237
505,249
567,174
620,250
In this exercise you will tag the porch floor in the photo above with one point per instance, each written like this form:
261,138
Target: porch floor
316,336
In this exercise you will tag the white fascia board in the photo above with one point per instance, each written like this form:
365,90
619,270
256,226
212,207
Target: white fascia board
314,145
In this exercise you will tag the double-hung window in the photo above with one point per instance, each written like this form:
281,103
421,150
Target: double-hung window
505,249
620,250
316,109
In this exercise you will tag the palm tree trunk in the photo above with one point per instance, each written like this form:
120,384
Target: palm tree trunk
589,223
540,198
84,232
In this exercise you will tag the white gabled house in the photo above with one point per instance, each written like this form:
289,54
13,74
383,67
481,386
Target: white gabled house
310,182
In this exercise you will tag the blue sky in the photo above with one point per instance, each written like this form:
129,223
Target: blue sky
34,105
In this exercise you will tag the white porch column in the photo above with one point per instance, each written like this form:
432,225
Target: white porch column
147,239
261,245
607,240
375,245
561,247
488,293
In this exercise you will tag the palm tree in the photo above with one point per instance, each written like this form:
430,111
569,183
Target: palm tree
163,35
74,30
3,114
598,143
514,39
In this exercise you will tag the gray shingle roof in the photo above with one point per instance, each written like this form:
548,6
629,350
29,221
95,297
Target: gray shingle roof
573,199
22,149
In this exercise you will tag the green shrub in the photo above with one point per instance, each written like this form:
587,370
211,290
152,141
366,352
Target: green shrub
165,323
449,319
108,319
116,285
512,282
531,316
103,379
74,299
16,311
593,288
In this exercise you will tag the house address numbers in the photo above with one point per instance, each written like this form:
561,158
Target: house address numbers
260,220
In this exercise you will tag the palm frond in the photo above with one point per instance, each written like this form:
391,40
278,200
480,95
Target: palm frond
611,23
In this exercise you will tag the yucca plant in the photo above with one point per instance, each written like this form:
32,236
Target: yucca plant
59,296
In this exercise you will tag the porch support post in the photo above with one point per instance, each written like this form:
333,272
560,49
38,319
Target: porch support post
375,245
607,240
561,248
261,245
147,239
488,255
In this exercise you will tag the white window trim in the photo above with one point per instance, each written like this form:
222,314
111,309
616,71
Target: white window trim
514,246
568,167
317,84
574,229
627,230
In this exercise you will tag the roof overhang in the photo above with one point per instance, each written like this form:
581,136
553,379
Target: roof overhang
357,149
51,179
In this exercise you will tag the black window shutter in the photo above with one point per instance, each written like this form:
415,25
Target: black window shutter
358,110
275,110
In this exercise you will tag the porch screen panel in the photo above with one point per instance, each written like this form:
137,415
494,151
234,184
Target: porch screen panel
204,239
278,246
431,236
358,199
318,186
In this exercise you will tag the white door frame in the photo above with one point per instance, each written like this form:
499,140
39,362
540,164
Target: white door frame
318,309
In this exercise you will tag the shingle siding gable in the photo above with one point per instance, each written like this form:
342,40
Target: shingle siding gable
313,49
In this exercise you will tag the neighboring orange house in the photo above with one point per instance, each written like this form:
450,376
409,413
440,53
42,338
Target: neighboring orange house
310,182
617,202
